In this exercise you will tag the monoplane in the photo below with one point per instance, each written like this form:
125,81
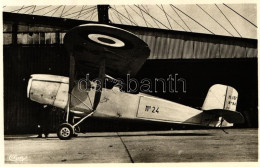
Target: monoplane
109,52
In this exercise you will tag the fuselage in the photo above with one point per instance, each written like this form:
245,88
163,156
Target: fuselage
114,104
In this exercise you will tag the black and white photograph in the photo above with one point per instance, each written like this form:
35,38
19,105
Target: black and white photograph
138,82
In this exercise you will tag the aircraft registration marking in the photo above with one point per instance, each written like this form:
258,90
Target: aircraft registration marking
152,109
231,99
163,110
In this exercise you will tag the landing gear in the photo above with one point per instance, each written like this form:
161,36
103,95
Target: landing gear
77,129
65,131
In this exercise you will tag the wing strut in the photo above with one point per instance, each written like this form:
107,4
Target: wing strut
71,82
98,93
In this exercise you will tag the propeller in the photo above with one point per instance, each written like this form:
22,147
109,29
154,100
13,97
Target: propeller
101,77
72,72
71,83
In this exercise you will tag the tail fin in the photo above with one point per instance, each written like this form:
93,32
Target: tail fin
221,100
221,97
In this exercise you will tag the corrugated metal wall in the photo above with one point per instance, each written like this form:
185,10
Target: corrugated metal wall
21,114
164,44
174,46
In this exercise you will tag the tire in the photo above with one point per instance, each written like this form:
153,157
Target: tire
65,131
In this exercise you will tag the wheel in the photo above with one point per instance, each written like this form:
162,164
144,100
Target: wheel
65,131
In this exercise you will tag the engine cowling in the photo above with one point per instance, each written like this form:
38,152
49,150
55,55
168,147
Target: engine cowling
49,89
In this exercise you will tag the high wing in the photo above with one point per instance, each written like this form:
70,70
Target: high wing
101,49
123,52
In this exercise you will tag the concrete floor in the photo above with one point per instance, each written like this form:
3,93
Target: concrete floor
239,145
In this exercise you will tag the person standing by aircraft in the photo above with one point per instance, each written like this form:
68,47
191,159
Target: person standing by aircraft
44,121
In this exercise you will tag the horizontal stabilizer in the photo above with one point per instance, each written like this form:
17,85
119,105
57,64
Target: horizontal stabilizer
228,115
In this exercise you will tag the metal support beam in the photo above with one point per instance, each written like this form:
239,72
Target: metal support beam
57,37
14,33
103,14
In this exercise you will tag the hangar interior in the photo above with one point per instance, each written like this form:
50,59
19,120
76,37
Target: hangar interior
34,45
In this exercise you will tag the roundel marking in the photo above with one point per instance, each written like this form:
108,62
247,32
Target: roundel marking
106,40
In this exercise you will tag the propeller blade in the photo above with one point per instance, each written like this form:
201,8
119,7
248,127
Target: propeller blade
72,72
101,77
96,100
